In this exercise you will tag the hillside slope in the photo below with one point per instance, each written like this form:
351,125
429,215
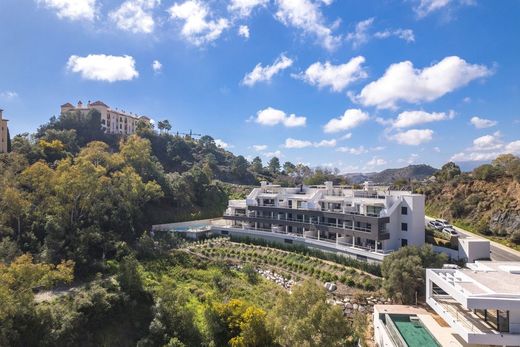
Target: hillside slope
410,172
488,207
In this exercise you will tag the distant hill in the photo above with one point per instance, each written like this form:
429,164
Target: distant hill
410,172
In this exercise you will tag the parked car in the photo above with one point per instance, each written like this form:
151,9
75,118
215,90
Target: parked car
444,223
450,231
435,225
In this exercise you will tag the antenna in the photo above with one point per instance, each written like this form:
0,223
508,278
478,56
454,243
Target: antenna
190,134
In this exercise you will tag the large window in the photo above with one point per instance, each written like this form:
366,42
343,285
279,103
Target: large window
404,226
404,242
404,210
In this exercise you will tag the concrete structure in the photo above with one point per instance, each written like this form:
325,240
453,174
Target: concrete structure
4,134
481,303
113,121
472,249
368,223
386,334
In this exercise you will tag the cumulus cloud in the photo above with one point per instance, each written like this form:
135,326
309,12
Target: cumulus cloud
409,119
375,161
72,9
198,29
337,77
156,66
265,73
487,147
403,34
220,143
243,31
245,7
350,119
277,154
271,116
307,16
135,16
403,82
360,35
259,148
481,123
412,137
101,67
294,143
347,136
410,160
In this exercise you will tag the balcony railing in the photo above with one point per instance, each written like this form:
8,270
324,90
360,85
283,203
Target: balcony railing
347,210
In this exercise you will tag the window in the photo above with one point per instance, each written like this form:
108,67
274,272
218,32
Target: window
404,226
404,210
404,242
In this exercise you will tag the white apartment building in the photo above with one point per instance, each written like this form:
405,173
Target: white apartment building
481,303
4,136
113,121
367,223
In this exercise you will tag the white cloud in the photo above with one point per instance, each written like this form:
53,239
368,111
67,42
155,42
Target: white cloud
488,142
360,34
326,143
403,34
243,31
513,147
403,82
8,95
347,136
156,66
410,160
197,28
426,7
375,161
437,149
409,119
481,123
350,119
245,7
293,143
277,154
101,67
271,116
261,73
307,16
412,137
353,150
135,16
220,143
337,77
72,9
259,148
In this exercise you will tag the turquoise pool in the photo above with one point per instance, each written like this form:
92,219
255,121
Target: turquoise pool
413,331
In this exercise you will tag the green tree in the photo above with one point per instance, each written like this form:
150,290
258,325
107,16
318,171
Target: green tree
288,167
404,271
274,165
239,166
256,165
304,318
447,172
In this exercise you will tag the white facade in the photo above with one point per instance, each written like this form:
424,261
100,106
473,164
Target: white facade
3,133
481,303
373,218
112,121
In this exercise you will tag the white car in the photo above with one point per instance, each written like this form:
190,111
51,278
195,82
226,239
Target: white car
450,231
444,223
435,225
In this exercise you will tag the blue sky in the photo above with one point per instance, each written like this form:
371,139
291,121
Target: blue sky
357,85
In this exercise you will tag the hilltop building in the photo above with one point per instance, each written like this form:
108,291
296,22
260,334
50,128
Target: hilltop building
113,121
364,223
4,133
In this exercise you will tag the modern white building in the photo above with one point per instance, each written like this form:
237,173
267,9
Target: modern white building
113,121
4,133
367,223
481,303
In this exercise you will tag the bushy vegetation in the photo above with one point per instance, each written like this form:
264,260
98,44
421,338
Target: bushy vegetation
404,272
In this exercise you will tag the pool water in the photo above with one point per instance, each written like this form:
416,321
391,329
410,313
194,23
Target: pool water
413,332
193,227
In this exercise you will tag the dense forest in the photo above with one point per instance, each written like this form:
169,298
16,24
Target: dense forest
79,266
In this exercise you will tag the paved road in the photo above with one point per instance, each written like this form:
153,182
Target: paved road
498,252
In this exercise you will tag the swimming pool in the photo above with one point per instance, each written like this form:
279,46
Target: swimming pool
413,331
192,227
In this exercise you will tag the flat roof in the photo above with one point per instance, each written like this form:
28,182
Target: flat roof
486,278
